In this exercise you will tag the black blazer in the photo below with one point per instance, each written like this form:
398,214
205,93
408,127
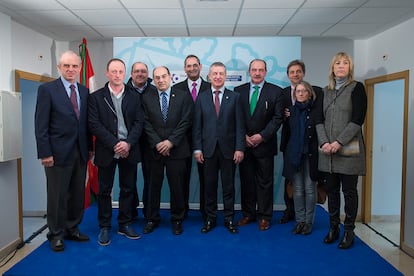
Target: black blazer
184,86
104,125
57,129
266,119
180,113
227,130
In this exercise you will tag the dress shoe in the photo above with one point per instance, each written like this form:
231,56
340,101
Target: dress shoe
245,220
103,238
307,229
208,226
149,227
348,240
177,228
128,232
57,245
298,228
286,218
231,227
77,236
332,235
264,225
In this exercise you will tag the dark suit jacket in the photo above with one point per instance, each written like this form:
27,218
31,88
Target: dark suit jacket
180,112
266,119
184,86
104,125
227,130
57,129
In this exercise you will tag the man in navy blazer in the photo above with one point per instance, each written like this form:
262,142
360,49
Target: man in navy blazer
62,146
116,120
169,147
262,120
219,144
193,85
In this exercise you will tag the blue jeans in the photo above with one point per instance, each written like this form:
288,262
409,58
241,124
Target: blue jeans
304,194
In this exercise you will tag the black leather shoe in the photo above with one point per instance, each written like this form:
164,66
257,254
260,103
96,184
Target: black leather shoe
77,236
177,228
57,245
208,226
298,228
348,240
231,227
332,235
307,229
128,232
286,218
149,227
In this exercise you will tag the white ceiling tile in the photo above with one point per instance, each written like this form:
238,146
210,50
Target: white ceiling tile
389,4
197,4
265,16
105,17
91,4
334,3
158,16
351,30
55,18
307,30
272,4
31,5
375,15
207,30
164,31
211,16
321,15
257,30
74,33
119,30
151,4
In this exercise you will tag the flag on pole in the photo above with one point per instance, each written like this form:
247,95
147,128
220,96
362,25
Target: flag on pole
87,78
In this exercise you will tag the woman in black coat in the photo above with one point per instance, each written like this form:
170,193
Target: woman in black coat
301,156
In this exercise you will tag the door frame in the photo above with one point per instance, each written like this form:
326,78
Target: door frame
368,133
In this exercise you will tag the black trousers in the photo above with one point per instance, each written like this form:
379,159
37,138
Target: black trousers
256,183
127,180
175,171
212,166
65,197
349,189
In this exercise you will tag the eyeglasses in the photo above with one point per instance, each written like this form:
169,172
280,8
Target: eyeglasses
301,91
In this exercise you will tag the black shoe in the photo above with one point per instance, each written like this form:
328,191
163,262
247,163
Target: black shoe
332,235
298,228
128,232
177,228
348,240
77,236
307,229
287,216
149,227
208,226
103,238
57,245
231,227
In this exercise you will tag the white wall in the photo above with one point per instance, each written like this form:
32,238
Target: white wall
8,170
396,43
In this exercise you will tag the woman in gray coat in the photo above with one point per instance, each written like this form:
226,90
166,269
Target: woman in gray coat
342,157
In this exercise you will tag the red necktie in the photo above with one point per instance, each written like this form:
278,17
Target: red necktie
194,91
74,100
217,102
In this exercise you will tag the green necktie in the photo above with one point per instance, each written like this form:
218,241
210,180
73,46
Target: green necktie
253,100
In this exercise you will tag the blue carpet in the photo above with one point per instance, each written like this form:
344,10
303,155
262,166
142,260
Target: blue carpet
251,252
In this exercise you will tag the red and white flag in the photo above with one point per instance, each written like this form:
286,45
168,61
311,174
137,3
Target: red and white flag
87,78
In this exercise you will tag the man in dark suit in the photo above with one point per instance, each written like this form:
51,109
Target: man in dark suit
141,83
295,72
168,115
116,120
194,85
263,114
219,144
62,146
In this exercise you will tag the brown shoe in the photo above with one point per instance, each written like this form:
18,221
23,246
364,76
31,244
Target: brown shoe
264,225
245,220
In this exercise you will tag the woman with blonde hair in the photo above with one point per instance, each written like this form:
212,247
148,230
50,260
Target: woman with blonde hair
342,157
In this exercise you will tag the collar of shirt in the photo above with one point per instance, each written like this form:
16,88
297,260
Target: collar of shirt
190,84
114,94
67,84
140,90
252,85
168,92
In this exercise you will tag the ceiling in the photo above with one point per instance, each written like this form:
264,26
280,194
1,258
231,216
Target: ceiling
70,20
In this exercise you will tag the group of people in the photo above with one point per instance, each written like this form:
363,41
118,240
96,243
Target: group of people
168,127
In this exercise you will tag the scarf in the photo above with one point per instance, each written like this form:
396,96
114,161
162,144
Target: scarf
297,145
